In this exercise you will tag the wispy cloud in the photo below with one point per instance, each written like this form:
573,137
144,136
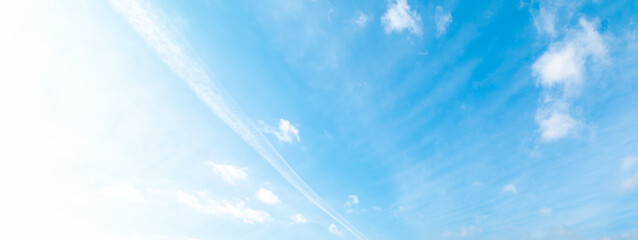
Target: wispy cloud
267,197
352,200
298,219
629,173
545,212
176,54
443,19
124,192
510,188
464,232
235,209
334,230
545,20
560,72
229,173
362,20
351,203
400,17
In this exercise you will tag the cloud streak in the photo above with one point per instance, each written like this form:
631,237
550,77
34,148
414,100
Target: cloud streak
175,53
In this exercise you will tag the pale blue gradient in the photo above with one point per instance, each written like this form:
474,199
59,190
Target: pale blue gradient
101,130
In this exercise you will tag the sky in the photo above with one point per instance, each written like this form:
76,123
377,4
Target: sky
316,119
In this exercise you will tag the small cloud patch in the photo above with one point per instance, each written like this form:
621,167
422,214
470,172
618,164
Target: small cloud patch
334,230
511,188
443,19
229,173
267,197
362,20
298,219
287,132
400,17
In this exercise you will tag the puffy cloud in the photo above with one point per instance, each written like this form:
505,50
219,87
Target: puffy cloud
560,72
125,192
235,209
400,17
555,124
229,173
510,188
267,197
334,230
559,65
298,219
287,132
442,19
564,62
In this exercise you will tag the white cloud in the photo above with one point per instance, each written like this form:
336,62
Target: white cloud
235,209
362,20
399,17
267,196
125,192
564,62
510,188
555,125
545,212
287,132
334,230
464,232
172,49
229,173
352,200
559,65
442,19
560,71
298,219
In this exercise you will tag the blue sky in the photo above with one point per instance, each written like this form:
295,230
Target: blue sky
302,119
